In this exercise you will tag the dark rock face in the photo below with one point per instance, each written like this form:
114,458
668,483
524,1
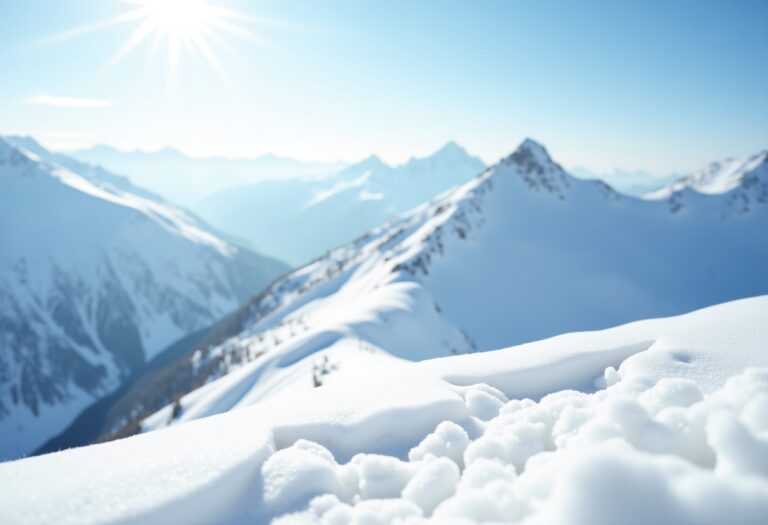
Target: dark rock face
538,170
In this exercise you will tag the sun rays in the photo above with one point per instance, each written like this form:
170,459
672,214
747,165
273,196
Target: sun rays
178,27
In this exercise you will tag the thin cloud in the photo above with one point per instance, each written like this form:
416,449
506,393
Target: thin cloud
67,102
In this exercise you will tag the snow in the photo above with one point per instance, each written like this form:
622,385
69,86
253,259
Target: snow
411,424
618,464
678,434
718,177
142,480
448,440
432,484
629,182
517,254
277,215
96,278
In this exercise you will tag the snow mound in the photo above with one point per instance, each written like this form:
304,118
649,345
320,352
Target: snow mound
627,454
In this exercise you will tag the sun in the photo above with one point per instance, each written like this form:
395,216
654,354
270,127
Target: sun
179,23
179,26
179,18
182,24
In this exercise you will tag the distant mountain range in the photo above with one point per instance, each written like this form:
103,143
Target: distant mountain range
523,251
298,220
630,182
96,277
185,180
297,211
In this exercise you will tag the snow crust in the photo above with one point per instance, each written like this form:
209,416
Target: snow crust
669,427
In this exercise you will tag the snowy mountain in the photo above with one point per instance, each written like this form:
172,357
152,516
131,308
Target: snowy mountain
299,220
96,277
660,421
522,252
630,182
723,176
185,180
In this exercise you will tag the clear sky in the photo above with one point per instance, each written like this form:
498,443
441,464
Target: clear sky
660,85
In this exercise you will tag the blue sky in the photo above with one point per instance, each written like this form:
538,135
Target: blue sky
663,86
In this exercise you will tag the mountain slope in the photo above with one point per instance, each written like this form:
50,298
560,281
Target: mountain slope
96,279
299,220
96,175
521,252
658,421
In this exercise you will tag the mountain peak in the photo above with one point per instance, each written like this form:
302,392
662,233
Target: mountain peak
450,154
532,164
168,153
529,150
371,162
451,148
529,155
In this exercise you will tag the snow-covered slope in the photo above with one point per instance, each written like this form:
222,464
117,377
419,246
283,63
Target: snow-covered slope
300,219
95,174
95,278
723,176
522,252
630,182
660,421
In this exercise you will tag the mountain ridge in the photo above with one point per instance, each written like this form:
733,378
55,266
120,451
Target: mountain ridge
298,220
95,279
516,254
184,180
719,176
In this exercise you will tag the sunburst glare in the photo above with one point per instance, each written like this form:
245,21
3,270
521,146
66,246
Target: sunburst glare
178,26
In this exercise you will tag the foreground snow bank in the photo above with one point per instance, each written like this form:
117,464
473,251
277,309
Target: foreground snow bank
660,421
627,454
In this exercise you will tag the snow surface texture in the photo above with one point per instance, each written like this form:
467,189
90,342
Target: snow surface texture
96,277
662,421
521,252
